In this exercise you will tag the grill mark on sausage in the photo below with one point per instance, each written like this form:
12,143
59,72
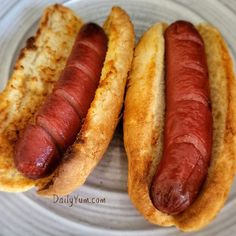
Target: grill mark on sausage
69,98
187,39
194,97
52,138
83,68
191,139
91,46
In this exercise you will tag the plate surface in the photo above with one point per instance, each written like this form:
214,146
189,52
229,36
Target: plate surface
112,212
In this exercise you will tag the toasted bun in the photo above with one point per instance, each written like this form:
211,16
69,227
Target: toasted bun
143,128
37,68
104,113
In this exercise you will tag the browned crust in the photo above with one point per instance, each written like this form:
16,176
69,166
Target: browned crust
36,70
143,120
141,128
103,115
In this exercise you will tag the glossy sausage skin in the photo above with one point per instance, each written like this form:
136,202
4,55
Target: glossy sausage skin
188,121
36,142
60,118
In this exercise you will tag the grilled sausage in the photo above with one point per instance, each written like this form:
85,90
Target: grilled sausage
188,121
59,120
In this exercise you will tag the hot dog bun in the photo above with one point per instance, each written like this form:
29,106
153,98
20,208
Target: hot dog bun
57,30
104,112
143,127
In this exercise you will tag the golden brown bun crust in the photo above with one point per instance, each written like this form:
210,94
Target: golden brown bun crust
143,125
37,68
103,115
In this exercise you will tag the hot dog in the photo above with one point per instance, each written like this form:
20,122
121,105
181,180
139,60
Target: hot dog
60,118
179,125
66,101
188,121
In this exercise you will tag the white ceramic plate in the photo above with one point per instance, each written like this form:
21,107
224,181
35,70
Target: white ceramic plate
28,214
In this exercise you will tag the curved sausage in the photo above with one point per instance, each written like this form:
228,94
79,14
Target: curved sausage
59,120
188,121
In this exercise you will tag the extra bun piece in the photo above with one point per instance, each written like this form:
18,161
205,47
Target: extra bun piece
144,120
